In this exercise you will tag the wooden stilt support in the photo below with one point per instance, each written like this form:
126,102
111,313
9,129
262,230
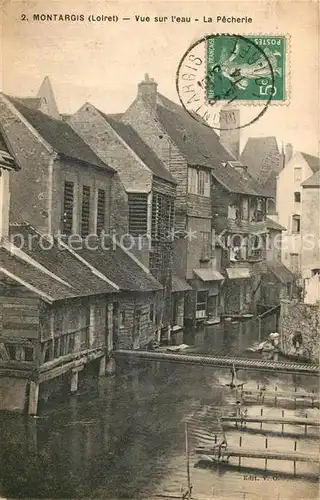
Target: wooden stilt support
305,427
111,366
33,397
74,382
102,366
261,413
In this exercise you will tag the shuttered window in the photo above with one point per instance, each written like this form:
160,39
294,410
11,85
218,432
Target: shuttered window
101,211
68,200
85,211
138,214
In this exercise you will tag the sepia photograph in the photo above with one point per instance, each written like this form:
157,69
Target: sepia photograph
159,250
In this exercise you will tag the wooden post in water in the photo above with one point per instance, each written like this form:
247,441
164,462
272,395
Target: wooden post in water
282,424
240,444
266,460
305,427
261,413
275,399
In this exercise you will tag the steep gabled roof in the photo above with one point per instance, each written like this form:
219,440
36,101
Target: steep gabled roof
59,135
280,271
313,161
271,224
134,141
120,267
199,144
238,182
261,156
25,273
313,181
59,261
31,102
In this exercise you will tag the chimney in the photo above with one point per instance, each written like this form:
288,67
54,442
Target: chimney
230,131
147,91
289,152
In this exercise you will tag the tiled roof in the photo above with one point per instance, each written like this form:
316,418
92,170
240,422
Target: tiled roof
261,155
280,271
179,284
59,135
134,141
29,274
208,274
31,102
238,182
120,268
245,227
201,146
6,159
313,161
313,181
59,261
271,224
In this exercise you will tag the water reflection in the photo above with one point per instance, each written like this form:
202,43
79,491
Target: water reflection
124,436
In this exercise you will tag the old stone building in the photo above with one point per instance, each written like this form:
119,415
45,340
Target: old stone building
239,219
190,152
277,281
61,206
148,198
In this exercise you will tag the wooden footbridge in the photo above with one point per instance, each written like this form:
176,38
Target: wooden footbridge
222,362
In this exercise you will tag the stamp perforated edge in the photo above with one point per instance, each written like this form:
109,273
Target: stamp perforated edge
287,67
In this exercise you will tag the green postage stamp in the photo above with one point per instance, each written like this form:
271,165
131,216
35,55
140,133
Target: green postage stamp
246,68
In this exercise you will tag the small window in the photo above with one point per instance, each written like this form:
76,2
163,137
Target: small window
245,208
101,211
85,211
297,197
28,353
296,224
138,214
205,246
297,340
122,319
12,351
71,344
151,313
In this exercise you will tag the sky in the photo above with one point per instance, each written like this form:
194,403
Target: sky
102,62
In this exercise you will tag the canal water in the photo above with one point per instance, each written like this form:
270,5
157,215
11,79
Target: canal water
124,436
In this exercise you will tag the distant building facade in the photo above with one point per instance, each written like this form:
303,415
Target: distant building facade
310,230
298,167
190,151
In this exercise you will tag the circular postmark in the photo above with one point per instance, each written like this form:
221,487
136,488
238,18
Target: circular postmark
221,71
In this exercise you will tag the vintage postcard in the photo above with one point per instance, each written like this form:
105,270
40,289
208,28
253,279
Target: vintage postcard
159,250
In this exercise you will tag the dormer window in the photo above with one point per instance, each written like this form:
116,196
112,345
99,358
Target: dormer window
199,182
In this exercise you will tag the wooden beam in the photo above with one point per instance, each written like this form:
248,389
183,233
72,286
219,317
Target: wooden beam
73,356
